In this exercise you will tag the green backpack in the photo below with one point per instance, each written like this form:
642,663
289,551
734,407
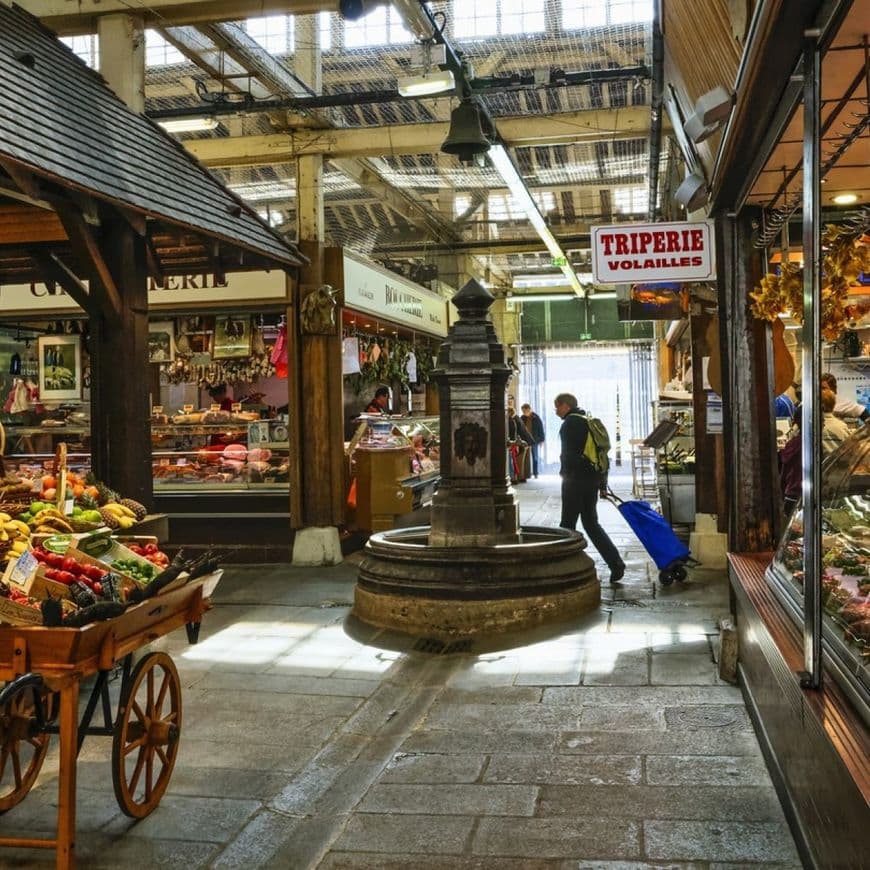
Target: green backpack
597,446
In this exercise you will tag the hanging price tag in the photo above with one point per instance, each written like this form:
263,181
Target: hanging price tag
237,406
187,409
215,406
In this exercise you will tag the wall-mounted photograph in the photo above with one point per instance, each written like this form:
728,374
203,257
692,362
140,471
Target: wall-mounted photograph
232,337
161,341
60,367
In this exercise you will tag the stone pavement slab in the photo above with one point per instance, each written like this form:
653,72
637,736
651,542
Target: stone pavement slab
312,741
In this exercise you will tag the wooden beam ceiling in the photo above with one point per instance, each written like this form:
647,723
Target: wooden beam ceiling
590,125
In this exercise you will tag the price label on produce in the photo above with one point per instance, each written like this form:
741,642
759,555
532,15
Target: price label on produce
24,568
187,409
215,406
157,409
181,462
164,463
236,407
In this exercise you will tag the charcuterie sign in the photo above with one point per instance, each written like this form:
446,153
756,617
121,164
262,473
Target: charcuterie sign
650,253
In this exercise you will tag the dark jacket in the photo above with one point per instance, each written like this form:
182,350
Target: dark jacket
517,431
535,425
791,472
573,433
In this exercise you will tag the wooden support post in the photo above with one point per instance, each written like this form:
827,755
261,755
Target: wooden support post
747,394
121,439
320,407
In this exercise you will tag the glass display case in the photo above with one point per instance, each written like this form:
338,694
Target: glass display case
219,451
845,581
394,469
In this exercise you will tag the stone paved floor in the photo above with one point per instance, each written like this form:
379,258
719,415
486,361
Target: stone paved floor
608,743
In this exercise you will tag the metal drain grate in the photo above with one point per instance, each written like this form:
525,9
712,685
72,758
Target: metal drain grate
439,647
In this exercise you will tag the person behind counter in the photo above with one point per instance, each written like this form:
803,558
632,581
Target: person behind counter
834,430
380,404
219,396
843,407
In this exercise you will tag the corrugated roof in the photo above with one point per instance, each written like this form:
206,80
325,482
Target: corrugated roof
60,119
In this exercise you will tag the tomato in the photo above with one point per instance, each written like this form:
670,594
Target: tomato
151,549
65,577
93,572
54,559
51,574
98,588
39,555
70,564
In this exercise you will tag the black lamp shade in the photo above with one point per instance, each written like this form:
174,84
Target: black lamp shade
15,364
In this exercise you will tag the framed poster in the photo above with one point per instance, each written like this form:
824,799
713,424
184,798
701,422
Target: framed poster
60,367
232,337
161,341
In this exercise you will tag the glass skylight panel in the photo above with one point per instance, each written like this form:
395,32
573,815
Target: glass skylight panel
325,20
473,19
273,32
86,47
382,26
522,16
579,14
631,200
159,52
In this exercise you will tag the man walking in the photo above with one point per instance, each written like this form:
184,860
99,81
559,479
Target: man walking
582,484
535,426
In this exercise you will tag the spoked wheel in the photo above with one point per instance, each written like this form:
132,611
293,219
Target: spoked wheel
23,740
145,744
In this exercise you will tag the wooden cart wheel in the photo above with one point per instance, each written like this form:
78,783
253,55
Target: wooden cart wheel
145,744
23,741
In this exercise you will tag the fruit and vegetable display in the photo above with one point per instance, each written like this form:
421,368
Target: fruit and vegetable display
845,584
73,589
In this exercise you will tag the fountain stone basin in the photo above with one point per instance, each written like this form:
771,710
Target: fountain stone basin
455,591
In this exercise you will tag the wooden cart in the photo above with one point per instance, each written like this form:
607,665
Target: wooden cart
44,668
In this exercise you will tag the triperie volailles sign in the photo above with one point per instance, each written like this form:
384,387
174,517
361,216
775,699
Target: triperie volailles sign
629,253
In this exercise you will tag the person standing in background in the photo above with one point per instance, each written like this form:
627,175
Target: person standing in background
582,484
535,427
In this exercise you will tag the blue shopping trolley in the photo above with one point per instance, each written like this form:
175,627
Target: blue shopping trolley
669,553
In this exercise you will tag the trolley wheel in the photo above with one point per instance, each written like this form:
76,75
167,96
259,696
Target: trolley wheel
666,577
23,739
679,573
145,744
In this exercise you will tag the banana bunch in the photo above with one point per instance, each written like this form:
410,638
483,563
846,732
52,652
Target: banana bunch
50,521
15,531
123,516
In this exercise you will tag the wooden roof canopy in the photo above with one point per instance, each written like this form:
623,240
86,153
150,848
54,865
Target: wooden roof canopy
74,159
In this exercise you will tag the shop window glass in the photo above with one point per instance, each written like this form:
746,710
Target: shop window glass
845,555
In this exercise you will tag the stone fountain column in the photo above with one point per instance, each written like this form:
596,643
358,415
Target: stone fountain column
473,572
475,504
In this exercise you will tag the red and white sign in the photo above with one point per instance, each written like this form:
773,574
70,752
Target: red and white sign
629,253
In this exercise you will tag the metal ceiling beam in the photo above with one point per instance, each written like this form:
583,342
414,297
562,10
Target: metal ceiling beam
590,125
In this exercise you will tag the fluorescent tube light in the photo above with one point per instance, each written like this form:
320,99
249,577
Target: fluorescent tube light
188,125
528,281
501,160
433,82
543,297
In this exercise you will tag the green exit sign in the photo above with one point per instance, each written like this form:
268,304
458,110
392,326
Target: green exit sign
585,336
559,261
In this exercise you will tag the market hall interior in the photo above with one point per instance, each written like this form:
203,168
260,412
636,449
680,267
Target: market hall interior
230,237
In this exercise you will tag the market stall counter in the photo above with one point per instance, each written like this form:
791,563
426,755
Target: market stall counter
393,469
